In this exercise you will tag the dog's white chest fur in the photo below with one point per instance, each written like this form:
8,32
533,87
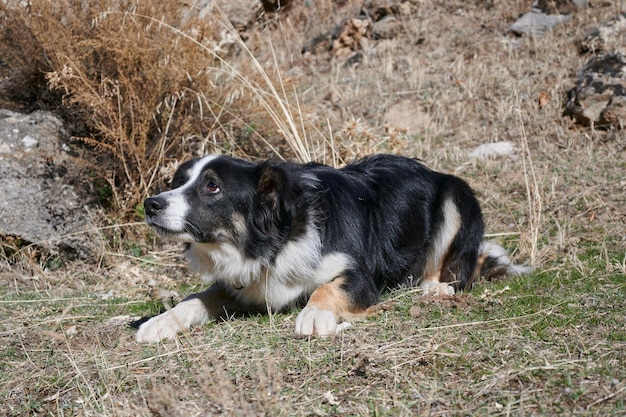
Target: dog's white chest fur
299,268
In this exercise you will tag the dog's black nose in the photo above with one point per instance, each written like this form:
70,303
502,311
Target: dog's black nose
153,205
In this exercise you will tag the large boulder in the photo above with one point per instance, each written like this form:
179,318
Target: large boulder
38,206
599,97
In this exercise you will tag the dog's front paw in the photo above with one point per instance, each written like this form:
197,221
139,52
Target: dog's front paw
163,326
167,325
316,321
437,288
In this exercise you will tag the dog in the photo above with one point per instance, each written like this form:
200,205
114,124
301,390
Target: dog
271,235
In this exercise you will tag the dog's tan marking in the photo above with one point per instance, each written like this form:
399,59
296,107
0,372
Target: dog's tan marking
479,266
239,223
331,297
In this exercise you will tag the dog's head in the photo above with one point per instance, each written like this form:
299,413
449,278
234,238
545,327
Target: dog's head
217,198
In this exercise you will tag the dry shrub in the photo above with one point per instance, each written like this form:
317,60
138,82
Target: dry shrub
145,84
23,66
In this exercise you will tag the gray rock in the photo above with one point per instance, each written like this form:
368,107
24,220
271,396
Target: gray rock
545,15
38,205
599,97
608,37
386,28
537,23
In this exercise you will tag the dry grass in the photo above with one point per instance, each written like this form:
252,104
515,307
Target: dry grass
551,343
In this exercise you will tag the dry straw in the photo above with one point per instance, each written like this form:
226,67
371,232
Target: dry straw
533,194
273,98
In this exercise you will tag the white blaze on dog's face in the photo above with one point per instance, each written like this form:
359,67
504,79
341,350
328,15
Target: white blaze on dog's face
203,204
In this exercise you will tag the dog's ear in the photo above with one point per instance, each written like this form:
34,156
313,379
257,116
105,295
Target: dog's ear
278,187
277,197
270,184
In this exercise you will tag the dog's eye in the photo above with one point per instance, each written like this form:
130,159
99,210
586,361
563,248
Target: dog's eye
213,188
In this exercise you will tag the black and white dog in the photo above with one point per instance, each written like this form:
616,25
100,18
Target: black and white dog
271,235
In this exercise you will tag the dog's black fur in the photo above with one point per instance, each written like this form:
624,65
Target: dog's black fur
336,238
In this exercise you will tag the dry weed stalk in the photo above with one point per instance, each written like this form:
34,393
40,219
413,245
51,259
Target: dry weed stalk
533,194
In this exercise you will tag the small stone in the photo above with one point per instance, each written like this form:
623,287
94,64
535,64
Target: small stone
386,28
537,23
493,151
29,142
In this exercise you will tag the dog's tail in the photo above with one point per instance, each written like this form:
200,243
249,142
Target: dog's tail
493,262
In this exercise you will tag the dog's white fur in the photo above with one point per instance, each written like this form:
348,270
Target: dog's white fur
188,313
277,288
178,207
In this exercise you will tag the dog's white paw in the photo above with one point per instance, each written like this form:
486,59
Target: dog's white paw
316,321
437,288
163,326
169,324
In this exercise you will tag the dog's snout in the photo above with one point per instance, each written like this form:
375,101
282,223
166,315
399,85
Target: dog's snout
153,205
